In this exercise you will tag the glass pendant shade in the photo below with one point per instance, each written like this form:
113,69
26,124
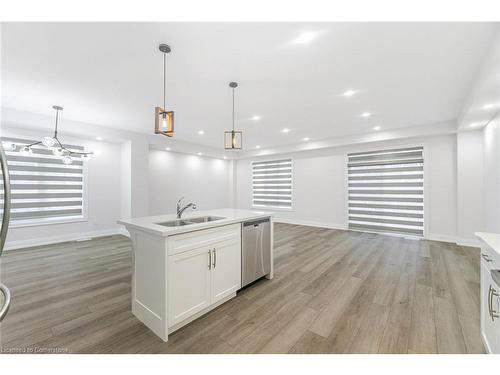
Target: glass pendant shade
26,151
67,160
233,140
57,151
164,122
48,141
9,146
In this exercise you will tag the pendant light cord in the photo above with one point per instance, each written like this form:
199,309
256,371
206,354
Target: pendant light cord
164,80
57,120
233,109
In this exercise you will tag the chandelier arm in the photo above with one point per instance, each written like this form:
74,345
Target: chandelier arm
69,151
34,144
74,152
59,142
79,153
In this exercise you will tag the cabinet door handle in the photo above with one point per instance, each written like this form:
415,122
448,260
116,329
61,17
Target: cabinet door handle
494,313
489,306
215,258
489,302
209,259
486,258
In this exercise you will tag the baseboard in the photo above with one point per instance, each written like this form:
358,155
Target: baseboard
20,244
441,238
309,223
430,237
468,242
455,240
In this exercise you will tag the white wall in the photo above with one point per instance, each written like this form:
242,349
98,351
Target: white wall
469,185
320,191
318,187
138,154
479,155
103,197
491,187
119,178
204,181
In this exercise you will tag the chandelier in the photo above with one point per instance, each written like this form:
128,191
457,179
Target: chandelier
53,144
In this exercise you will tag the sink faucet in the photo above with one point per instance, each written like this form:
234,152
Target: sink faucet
181,210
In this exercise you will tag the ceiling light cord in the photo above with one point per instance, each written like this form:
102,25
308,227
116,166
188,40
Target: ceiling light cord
57,121
164,80
233,109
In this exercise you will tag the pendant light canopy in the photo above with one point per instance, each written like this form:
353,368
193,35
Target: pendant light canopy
164,120
53,144
233,139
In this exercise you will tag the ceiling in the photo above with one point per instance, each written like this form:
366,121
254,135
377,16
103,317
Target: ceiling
405,74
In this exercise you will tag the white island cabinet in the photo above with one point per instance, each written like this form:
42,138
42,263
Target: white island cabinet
490,291
180,273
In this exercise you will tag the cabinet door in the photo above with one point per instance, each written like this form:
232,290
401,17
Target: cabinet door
495,306
226,270
188,284
490,325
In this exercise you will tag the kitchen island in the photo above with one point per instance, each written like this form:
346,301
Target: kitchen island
183,268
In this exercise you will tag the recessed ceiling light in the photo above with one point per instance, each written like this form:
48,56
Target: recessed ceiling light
168,148
487,106
475,124
258,146
366,114
306,139
286,130
225,157
255,118
349,93
201,132
305,37
199,154
99,138
377,127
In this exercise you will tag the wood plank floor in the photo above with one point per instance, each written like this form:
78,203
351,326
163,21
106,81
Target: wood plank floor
333,292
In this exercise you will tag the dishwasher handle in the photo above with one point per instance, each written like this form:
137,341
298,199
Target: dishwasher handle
256,223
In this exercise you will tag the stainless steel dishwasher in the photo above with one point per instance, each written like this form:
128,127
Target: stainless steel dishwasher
255,250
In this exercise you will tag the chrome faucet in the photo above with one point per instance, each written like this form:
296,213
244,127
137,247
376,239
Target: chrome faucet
180,209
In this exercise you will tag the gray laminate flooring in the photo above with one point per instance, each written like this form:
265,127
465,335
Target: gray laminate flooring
333,292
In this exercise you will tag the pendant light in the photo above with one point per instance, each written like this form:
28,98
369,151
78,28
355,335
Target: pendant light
233,140
164,120
54,145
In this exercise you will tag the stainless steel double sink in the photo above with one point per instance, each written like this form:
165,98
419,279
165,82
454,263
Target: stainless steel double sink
193,220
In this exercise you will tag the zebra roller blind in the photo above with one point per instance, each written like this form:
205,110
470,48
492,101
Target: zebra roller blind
386,191
43,188
272,183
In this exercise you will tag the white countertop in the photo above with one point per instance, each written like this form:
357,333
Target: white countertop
231,216
491,239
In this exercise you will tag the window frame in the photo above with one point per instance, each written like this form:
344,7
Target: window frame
426,207
292,186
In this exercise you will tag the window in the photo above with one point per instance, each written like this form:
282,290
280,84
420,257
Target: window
386,191
43,189
272,184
